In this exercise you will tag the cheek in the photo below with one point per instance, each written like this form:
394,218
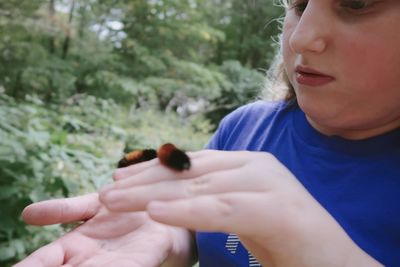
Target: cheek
370,64
370,77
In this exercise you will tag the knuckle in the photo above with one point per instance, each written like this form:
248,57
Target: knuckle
224,211
63,210
225,207
117,175
197,186
267,156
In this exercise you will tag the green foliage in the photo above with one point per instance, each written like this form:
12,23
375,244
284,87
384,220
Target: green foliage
244,83
248,27
150,129
70,149
56,55
42,157
185,80
76,90
241,85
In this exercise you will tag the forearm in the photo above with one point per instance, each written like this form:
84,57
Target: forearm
183,250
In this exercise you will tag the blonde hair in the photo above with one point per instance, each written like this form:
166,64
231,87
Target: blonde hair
277,85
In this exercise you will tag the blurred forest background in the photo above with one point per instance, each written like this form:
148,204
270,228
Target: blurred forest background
82,81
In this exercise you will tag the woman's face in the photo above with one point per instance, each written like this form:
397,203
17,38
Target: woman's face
343,60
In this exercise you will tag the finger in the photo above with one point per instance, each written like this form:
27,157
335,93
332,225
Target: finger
120,261
136,198
214,161
222,213
62,210
123,173
151,174
231,180
200,153
51,255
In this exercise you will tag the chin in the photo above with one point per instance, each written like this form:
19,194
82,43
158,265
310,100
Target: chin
327,114
315,107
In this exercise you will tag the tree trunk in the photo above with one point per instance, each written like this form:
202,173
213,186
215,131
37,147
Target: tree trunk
68,37
52,12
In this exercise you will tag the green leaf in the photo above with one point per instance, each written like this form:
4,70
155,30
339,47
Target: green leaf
7,192
7,252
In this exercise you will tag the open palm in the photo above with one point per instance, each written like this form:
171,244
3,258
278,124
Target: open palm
105,239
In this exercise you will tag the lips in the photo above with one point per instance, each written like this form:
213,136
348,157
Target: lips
311,77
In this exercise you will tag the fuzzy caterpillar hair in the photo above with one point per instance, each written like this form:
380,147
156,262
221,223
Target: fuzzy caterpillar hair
168,154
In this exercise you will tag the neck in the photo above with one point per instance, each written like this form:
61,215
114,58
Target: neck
355,134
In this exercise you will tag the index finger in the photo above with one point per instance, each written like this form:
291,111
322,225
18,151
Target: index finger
62,210
123,173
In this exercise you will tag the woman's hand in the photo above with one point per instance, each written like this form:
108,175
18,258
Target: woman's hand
250,194
105,238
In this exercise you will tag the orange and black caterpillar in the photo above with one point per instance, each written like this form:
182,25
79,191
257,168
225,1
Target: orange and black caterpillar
168,154
137,156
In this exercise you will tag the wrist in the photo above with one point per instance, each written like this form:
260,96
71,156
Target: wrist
307,235
361,258
328,244
183,249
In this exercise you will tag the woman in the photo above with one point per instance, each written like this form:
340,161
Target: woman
319,188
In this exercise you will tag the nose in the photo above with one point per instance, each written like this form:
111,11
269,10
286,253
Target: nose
311,33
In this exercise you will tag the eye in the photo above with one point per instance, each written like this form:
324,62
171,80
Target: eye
298,6
356,5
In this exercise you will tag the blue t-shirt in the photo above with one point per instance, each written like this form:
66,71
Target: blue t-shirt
357,182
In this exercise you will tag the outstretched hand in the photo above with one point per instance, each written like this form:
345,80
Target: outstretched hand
105,238
250,194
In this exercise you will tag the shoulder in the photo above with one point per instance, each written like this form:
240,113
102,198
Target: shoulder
248,121
258,109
